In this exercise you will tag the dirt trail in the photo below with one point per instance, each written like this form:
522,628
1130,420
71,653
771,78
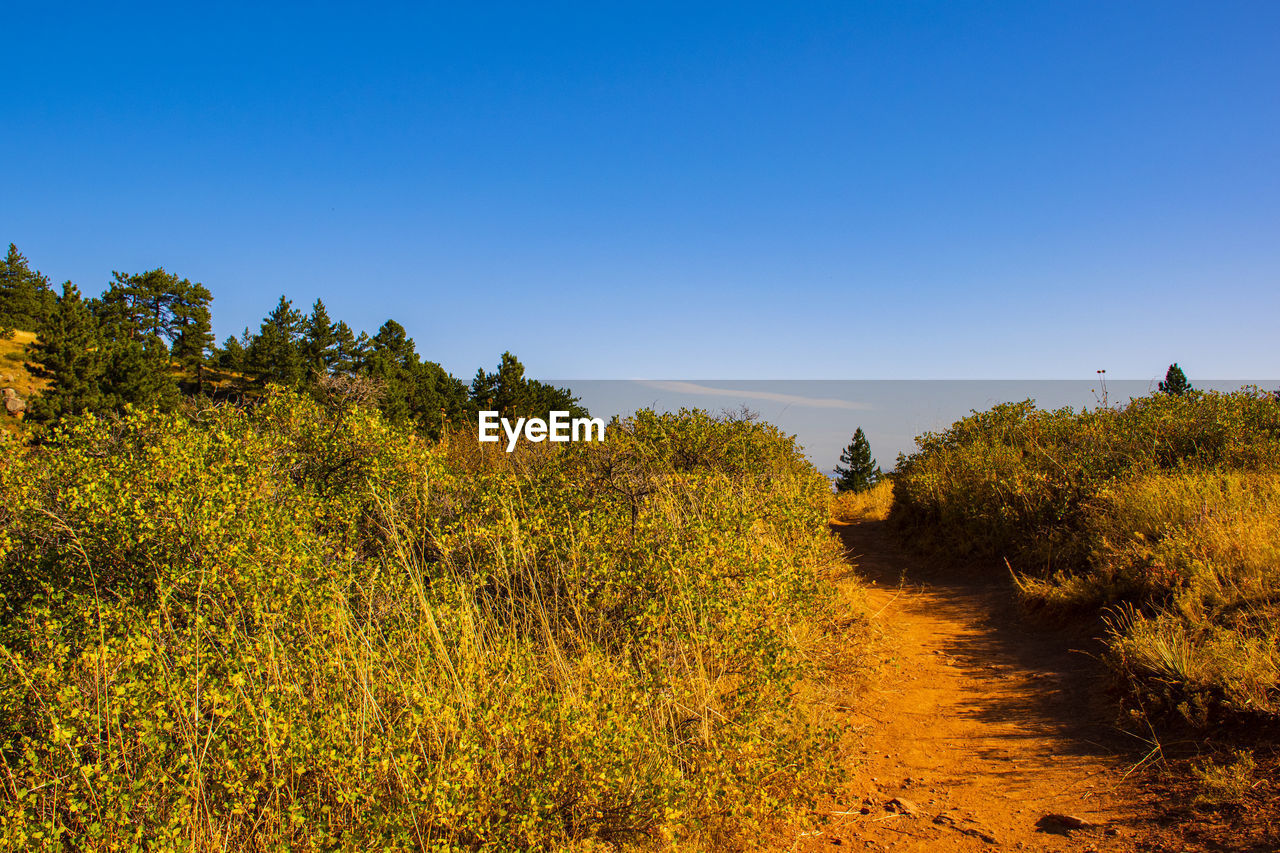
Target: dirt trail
983,724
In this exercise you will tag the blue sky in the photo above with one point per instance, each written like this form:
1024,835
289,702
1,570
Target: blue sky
738,190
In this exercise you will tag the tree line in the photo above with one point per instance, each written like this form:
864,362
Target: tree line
148,341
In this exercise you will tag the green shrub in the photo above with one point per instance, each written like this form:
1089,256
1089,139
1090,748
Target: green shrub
1225,784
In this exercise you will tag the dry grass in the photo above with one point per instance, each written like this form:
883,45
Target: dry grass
1199,552
13,368
14,374
871,505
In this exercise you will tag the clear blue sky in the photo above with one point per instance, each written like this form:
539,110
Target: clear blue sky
737,190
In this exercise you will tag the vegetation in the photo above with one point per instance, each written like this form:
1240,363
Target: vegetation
857,471
1164,514
147,341
300,625
14,373
873,504
1175,381
25,297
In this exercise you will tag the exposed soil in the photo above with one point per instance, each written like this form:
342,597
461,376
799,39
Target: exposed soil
981,731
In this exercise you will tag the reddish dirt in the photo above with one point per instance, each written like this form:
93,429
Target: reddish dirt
987,726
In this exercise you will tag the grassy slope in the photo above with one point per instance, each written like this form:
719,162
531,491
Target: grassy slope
14,374
13,369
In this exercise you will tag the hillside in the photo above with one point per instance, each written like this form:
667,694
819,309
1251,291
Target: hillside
15,375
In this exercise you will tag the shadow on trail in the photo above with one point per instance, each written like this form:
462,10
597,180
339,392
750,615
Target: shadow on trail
1037,688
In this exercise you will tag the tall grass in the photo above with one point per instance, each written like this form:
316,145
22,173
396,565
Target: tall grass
295,627
870,505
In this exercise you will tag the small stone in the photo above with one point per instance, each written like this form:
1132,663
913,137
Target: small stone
901,806
864,810
1062,823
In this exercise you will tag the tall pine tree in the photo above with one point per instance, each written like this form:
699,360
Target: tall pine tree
319,342
509,393
349,351
275,354
69,354
26,300
193,323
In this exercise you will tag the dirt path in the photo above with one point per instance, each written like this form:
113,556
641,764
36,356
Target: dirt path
985,727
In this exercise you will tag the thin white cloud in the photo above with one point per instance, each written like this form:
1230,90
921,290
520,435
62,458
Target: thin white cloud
677,387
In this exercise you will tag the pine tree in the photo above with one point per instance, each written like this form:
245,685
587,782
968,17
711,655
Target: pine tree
194,329
512,395
346,353
1175,382
137,374
274,354
230,355
26,300
393,360
857,471
319,342
70,356
504,391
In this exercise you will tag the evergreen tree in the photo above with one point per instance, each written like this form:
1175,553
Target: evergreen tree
230,355
346,353
393,360
319,342
509,393
137,373
413,390
194,329
70,356
857,471
158,304
544,399
274,354
1175,382
504,391
26,300
361,348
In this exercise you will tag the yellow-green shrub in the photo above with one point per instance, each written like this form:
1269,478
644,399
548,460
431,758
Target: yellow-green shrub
1015,482
296,627
1168,508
